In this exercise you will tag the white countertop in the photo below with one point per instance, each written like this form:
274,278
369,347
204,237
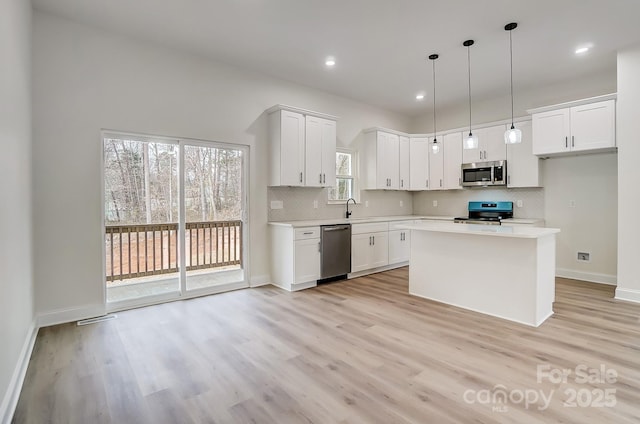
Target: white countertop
317,222
484,230
358,220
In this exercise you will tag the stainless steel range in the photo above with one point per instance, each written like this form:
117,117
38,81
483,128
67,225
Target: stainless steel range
489,213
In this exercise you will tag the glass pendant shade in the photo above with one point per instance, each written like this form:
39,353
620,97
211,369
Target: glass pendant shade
512,136
435,147
471,142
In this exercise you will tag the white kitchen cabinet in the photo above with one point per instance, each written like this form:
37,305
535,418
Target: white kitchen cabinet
302,147
584,127
419,163
369,246
523,167
399,246
320,152
491,146
452,161
381,160
404,163
436,166
295,256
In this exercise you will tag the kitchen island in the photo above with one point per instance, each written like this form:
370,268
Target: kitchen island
504,271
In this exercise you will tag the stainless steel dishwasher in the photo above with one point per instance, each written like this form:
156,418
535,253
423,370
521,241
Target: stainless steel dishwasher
335,250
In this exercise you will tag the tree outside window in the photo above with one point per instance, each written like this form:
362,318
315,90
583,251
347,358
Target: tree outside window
345,173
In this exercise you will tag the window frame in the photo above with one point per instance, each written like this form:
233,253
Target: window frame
353,177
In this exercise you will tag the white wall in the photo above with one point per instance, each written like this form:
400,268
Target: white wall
628,128
16,292
86,79
590,182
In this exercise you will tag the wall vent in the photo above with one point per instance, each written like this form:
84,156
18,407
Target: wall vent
584,257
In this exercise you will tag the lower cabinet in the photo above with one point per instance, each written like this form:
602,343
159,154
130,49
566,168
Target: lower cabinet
369,246
295,257
399,246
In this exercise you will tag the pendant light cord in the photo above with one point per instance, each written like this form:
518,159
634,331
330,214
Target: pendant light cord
511,70
469,69
434,100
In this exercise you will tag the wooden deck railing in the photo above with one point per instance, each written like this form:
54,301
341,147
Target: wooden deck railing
151,249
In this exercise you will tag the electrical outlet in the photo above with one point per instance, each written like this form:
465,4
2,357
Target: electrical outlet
277,204
584,257
572,203
366,203
401,203
315,204
435,203
519,203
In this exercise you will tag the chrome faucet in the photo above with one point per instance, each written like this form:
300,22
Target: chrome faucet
348,214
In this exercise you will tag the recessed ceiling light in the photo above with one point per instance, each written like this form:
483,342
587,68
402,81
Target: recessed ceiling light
582,50
420,96
330,62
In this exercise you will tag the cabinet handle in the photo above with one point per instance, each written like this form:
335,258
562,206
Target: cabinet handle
573,144
427,183
459,181
566,142
324,178
369,240
401,183
301,177
374,240
320,179
320,247
440,182
308,233
508,179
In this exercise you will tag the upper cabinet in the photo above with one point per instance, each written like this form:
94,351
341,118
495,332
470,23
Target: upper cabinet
404,162
583,127
523,167
381,160
419,163
491,146
452,161
302,147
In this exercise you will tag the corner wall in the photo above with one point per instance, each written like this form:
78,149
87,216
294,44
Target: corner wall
628,128
16,291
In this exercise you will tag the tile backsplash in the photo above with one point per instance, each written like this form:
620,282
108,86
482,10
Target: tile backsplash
455,202
298,202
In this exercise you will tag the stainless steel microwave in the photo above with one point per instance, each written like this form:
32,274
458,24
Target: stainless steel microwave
483,174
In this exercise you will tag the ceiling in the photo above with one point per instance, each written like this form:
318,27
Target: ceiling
381,46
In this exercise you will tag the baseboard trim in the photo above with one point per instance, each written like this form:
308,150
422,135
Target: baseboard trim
628,295
10,401
592,277
62,316
260,280
375,270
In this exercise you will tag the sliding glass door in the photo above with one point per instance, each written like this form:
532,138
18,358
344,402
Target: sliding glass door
173,212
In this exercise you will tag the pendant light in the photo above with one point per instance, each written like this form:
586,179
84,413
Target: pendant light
512,135
471,142
435,147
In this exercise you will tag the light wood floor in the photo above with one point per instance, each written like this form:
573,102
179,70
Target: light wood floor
359,351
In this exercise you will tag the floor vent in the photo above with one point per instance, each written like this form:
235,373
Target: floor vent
108,317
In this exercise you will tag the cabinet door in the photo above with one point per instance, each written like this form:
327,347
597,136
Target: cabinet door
328,153
491,141
390,160
452,161
523,167
313,151
419,163
361,247
399,242
404,163
593,126
307,260
551,132
292,153
436,167
382,148
380,251
472,155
